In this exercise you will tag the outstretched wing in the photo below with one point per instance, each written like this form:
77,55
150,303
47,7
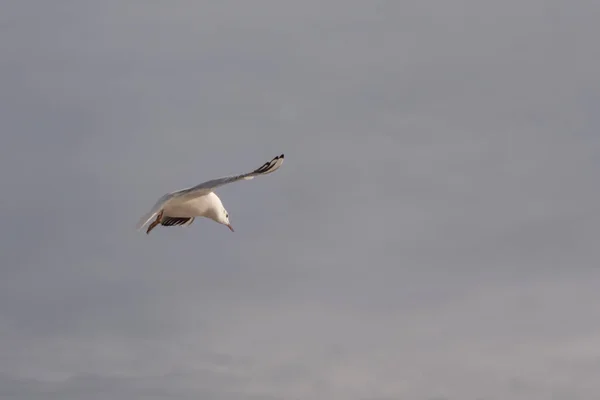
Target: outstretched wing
207,187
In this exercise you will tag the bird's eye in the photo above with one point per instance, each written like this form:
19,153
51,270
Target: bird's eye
226,215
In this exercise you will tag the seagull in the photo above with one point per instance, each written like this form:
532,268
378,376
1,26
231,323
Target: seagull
180,208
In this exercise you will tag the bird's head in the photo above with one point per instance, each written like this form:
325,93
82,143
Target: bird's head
223,218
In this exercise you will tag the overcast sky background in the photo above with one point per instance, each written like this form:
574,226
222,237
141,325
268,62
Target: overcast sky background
433,233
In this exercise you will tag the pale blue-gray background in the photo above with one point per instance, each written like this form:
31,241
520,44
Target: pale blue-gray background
433,233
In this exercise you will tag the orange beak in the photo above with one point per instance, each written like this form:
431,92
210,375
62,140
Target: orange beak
230,228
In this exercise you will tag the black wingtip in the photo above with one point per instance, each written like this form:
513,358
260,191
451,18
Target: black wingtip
268,166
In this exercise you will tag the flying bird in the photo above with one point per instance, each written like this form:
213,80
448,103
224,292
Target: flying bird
180,208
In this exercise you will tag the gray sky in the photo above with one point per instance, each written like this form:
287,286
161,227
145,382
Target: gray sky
433,233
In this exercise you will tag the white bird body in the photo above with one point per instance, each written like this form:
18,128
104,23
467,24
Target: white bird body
197,207
183,206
